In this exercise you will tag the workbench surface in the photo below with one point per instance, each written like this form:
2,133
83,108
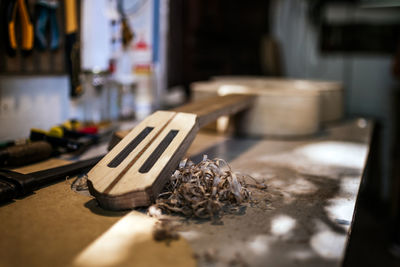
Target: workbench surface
303,219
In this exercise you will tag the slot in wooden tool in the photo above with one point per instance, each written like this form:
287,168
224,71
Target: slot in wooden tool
134,172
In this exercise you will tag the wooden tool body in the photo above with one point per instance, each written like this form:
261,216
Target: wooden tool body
134,172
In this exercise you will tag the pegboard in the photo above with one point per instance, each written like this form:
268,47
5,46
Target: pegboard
38,62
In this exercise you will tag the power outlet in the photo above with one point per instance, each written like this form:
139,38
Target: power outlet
7,106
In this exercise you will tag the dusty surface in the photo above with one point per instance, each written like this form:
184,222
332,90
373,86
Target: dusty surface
58,227
304,216
302,219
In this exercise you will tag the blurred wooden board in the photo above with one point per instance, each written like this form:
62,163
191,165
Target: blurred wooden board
304,220
42,165
284,107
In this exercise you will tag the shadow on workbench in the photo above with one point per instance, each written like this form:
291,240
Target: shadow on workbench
94,207
372,234
370,239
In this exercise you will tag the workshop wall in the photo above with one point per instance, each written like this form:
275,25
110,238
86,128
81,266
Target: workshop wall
34,88
32,102
366,77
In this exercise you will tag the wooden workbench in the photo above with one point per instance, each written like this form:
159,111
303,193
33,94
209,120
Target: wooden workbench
304,217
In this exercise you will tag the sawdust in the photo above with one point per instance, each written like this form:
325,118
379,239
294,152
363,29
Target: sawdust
80,183
205,190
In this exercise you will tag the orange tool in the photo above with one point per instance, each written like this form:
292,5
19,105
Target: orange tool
18,9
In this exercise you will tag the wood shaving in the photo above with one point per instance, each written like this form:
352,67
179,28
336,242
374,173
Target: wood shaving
165,230
80,183
203,190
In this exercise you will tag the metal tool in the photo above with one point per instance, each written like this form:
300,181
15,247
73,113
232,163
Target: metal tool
126,31
14,184
13,10
72,56
46,25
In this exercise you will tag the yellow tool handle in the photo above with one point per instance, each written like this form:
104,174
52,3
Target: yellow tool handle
71,24
11,35
11,29
26,25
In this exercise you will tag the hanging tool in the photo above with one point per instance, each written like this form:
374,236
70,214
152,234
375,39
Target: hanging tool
46,22
14,184
18,9
72,49
126,31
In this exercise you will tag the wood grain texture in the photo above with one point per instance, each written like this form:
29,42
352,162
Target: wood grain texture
134,172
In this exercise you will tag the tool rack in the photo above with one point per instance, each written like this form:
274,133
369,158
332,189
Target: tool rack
38,62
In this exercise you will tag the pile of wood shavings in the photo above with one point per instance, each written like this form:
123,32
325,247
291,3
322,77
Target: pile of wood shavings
203,190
